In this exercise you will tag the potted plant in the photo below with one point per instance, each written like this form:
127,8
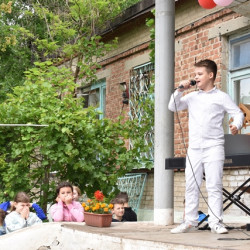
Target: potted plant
97,212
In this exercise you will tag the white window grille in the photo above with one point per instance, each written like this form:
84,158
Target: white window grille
133,184
139,85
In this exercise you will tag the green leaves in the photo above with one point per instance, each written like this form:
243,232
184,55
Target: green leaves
150,22
76,146
40,30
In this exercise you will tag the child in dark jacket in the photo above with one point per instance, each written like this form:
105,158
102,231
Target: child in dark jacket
129,214
117,210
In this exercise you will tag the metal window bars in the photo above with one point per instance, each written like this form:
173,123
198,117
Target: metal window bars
139,85
133,184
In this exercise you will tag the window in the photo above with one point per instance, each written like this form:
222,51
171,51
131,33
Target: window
240,52
139,85
239,84
95,95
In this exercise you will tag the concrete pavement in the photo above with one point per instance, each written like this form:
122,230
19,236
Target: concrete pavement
124,235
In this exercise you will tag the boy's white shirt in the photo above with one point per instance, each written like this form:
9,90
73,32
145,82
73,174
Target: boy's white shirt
206,114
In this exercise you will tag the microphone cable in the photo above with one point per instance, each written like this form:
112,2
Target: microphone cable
187,157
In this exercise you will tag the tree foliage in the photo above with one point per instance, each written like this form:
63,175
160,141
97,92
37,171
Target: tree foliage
37,36
40,30
76,146
150,22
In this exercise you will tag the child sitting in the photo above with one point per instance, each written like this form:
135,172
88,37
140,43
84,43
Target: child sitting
66,209
129,214
76,193
39,212
2,216
117,210
20,215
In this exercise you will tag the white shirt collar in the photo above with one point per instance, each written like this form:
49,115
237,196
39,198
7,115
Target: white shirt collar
211,90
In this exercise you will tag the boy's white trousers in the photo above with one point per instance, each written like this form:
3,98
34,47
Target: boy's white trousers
209,161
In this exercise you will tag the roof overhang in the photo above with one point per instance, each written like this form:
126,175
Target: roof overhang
241,6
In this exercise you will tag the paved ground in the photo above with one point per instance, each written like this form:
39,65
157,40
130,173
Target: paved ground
121,236
163,239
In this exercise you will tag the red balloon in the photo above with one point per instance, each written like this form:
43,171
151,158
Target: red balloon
207,4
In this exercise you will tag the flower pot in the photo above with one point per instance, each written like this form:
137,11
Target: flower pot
97,220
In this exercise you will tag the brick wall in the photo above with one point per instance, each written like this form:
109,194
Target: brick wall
119,71
147,201
132,50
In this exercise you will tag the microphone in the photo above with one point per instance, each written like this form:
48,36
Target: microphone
192,83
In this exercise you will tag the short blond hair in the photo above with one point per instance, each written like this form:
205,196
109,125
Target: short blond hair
117,201
77,190
123,196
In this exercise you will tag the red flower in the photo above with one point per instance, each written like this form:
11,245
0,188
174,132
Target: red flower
99,195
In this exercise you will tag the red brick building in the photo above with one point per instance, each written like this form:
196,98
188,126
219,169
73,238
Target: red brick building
221,34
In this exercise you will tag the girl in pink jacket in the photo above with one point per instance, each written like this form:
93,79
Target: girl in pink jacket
66,209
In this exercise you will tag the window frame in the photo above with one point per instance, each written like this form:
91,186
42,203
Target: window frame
86,91
236,74
232,42
101,85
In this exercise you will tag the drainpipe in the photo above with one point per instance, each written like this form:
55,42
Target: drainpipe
164,119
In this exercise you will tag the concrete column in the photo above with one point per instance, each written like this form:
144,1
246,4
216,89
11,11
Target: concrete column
164,122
